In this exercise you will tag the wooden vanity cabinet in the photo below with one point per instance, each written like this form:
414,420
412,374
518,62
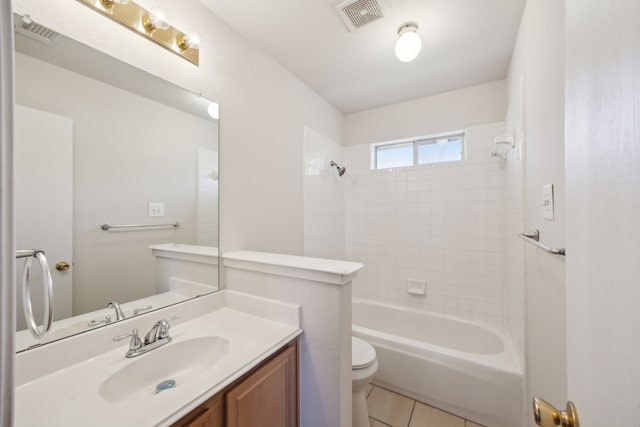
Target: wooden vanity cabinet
267,396
209,414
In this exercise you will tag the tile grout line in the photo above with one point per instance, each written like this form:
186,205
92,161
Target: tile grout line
370,390
413,408
381,422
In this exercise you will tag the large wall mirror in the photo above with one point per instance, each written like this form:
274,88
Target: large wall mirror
116,179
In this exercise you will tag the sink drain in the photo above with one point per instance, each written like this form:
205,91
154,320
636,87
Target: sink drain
165,385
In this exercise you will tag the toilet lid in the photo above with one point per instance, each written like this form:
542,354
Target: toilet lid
362,353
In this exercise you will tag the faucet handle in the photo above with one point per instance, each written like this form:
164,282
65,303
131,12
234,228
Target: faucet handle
164,326
94,322
135,342
138,310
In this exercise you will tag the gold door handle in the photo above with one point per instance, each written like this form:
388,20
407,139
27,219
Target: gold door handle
62,266
546,415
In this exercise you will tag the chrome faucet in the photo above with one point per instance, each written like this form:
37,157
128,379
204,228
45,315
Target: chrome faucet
119,314
156,337
134,345
159,331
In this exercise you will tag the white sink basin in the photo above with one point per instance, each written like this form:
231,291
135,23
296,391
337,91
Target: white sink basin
179,361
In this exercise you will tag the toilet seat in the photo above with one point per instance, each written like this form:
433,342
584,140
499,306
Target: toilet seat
362,353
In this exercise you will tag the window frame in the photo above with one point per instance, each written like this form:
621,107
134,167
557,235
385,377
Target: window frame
416,142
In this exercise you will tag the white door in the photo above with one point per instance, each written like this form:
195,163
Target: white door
602,160
43,171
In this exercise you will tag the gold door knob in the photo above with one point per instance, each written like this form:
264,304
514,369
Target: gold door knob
62,266
546,415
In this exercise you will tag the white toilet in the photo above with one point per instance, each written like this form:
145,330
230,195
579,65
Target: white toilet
363,366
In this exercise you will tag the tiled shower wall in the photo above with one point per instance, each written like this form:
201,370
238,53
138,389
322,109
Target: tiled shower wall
324,219
440,223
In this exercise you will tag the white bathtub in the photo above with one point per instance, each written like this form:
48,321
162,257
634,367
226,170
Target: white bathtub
461,367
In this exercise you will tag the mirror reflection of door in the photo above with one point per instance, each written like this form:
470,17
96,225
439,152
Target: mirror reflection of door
44,203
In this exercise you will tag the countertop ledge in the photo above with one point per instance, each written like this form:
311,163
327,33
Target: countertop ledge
70,395
316,269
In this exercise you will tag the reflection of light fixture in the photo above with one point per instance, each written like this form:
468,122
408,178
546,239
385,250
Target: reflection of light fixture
409,44
156,19
190,40
154,24
214,110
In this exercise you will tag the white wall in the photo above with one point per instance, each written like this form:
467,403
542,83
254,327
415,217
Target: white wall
324,192
263,110
122,160
603,209
440,223
539,55
448,111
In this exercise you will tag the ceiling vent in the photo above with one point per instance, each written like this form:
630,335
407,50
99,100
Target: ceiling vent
24,25
357,13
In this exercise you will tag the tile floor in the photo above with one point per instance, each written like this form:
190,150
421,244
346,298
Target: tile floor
389,409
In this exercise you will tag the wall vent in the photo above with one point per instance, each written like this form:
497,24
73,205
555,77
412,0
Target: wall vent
25,26
357,13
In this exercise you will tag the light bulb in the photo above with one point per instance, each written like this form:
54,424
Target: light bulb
190,40
214,110
156,19
409,44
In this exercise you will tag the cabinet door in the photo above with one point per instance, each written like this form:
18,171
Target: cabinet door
203,419
269,397
209,414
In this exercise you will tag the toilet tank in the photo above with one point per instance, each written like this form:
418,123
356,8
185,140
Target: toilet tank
186,264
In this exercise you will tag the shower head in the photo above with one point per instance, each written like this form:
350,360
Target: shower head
341,170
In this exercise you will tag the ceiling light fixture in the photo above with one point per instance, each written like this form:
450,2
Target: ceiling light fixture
409,43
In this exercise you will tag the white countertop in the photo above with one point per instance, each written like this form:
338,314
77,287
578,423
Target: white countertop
254,328
186,249
317,269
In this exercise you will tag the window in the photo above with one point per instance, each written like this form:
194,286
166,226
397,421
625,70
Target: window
420,151
394,155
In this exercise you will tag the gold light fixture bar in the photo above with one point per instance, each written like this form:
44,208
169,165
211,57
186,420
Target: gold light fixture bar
136,18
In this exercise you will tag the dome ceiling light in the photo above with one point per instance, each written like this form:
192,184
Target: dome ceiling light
409,43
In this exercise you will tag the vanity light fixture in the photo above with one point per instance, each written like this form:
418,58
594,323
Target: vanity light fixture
154,24
109,3
156,19
190,40
409,43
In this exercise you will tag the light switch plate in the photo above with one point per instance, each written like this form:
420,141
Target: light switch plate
156,209
547,202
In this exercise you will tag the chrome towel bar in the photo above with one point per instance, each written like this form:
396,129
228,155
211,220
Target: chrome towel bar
533,237
107,227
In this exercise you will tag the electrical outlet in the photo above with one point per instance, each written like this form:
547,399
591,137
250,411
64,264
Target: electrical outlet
156,209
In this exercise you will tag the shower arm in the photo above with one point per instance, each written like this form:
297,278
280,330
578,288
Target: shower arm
341,170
